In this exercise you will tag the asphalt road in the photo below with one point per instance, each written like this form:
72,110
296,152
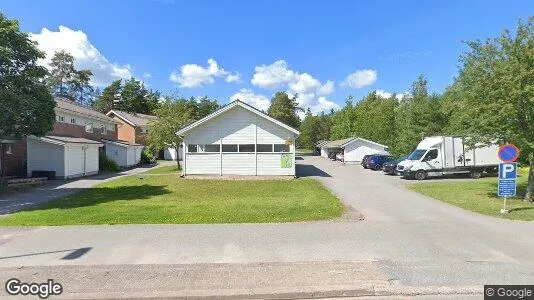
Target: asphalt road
412,239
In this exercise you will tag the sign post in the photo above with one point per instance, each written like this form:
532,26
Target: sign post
508,154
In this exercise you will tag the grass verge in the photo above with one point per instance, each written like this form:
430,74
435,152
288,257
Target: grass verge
480,196
163,170
171,200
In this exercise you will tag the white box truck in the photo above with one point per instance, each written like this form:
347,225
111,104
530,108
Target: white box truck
445,155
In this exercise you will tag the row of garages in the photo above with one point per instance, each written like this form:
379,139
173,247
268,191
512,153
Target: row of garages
70,157
350,150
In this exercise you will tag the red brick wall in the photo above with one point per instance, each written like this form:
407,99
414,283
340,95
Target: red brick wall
140,137
125,131
14,164
79,131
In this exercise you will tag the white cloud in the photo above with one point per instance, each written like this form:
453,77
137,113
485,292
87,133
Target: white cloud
193,75
360,78
86,55
255,100
234,78
147,75
401,96
309,90
273,75
383,94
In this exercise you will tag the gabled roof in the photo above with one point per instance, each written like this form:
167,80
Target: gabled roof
133,119
121,143
344,142
228,107
67,106
62,140
362,139
338,143
321,143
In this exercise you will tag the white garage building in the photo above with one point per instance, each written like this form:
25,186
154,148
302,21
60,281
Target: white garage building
238,140
125,154
354,148
68,157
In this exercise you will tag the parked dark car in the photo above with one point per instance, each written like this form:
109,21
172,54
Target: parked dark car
390,167
377,161
364,160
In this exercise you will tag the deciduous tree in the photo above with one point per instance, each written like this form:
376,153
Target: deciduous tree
493,95
26,105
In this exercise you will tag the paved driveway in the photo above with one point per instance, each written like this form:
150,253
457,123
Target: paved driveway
412,239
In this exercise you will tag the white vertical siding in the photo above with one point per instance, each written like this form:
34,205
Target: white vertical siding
91,163
43,156
80,162
171,154
355,151
237,126
116,153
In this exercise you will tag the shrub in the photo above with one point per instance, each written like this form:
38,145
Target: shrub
107,165
146,156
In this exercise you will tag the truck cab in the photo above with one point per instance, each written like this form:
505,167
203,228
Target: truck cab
422,163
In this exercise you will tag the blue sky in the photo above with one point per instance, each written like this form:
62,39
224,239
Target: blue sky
322,50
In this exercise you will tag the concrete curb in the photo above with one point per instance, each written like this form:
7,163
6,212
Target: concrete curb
365,290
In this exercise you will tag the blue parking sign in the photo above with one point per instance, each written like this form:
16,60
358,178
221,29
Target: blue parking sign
507,179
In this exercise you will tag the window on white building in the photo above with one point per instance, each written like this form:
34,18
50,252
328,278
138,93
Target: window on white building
89,127
103,129
60,118
265,147
246,148
212,148
229,148
281,148
192,148
73,120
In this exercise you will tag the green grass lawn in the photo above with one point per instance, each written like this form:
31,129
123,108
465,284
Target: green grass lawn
163,170
479,196
172,200
304,151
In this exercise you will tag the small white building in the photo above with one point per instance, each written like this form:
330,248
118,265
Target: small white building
125,154
68,157
238,140
172,154
320,149
354,149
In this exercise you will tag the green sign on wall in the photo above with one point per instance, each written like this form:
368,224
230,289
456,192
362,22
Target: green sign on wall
286,161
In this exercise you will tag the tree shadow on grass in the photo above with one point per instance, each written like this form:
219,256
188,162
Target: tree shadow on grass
99,195
522,208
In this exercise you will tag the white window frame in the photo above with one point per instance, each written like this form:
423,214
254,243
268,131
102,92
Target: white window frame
103,129
9,149
60,118
73,120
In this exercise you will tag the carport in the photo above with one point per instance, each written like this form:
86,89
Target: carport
354,149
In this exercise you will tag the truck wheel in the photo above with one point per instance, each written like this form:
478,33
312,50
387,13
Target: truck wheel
420,175
476,174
